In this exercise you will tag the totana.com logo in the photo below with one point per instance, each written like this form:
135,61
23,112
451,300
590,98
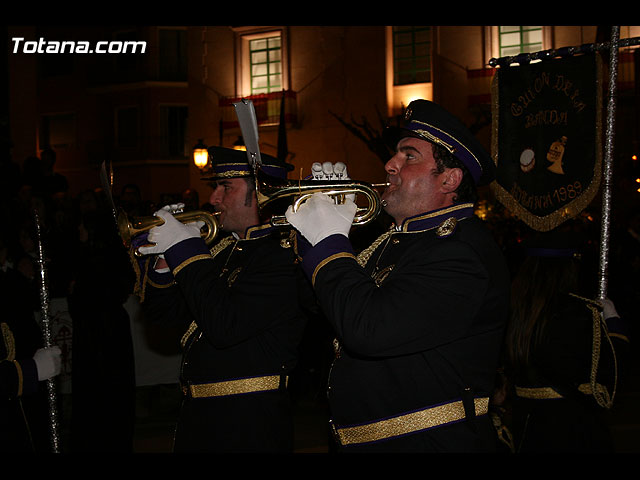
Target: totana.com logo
20,45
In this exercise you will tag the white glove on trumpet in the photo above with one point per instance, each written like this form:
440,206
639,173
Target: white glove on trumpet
320,216
170,232
329,171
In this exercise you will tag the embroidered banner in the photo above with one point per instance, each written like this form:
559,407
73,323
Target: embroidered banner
547,138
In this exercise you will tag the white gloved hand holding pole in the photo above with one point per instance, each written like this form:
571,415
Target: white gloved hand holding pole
608,309
48,362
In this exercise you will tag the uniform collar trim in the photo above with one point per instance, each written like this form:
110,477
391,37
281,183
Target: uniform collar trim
430,220
258,231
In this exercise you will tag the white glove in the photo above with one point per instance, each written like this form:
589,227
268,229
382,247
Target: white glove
329,171
319,217
170,232
48,362
316,171
608,309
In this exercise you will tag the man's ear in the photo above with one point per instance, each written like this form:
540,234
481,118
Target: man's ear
451,179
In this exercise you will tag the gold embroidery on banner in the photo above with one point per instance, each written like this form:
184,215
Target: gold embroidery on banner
580,202
409,423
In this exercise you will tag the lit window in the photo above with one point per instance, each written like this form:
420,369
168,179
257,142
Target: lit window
518,39
411,55
265,59
261,60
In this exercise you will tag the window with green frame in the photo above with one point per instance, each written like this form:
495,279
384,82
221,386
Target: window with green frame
265,57
411,55
519,39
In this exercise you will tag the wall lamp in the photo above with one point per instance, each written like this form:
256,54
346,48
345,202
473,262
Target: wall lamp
200,155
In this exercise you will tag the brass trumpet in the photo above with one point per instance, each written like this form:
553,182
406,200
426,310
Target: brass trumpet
129,228
270,190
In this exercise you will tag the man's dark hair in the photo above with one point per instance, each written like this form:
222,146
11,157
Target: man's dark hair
466,191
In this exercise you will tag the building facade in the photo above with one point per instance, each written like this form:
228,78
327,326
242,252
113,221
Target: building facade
143,111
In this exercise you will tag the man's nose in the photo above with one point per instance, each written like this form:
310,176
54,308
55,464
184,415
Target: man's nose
215,197
392,166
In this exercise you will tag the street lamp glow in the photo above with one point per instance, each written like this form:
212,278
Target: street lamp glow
200,154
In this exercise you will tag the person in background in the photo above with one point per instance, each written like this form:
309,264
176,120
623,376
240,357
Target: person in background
565,353
24,364
103,373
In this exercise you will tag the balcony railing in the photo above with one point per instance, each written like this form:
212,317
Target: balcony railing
267,106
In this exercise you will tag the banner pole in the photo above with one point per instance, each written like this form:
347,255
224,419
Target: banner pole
608,163
46,332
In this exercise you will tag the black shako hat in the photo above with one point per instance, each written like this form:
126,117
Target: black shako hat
429,121
230,163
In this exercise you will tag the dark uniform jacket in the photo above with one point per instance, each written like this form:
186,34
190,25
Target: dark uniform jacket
562,395
419,325
24,421
242,320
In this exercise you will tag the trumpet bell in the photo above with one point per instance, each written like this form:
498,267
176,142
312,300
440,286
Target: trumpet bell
132,227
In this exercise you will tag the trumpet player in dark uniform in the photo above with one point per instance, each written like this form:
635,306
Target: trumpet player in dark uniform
419,316
242,320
